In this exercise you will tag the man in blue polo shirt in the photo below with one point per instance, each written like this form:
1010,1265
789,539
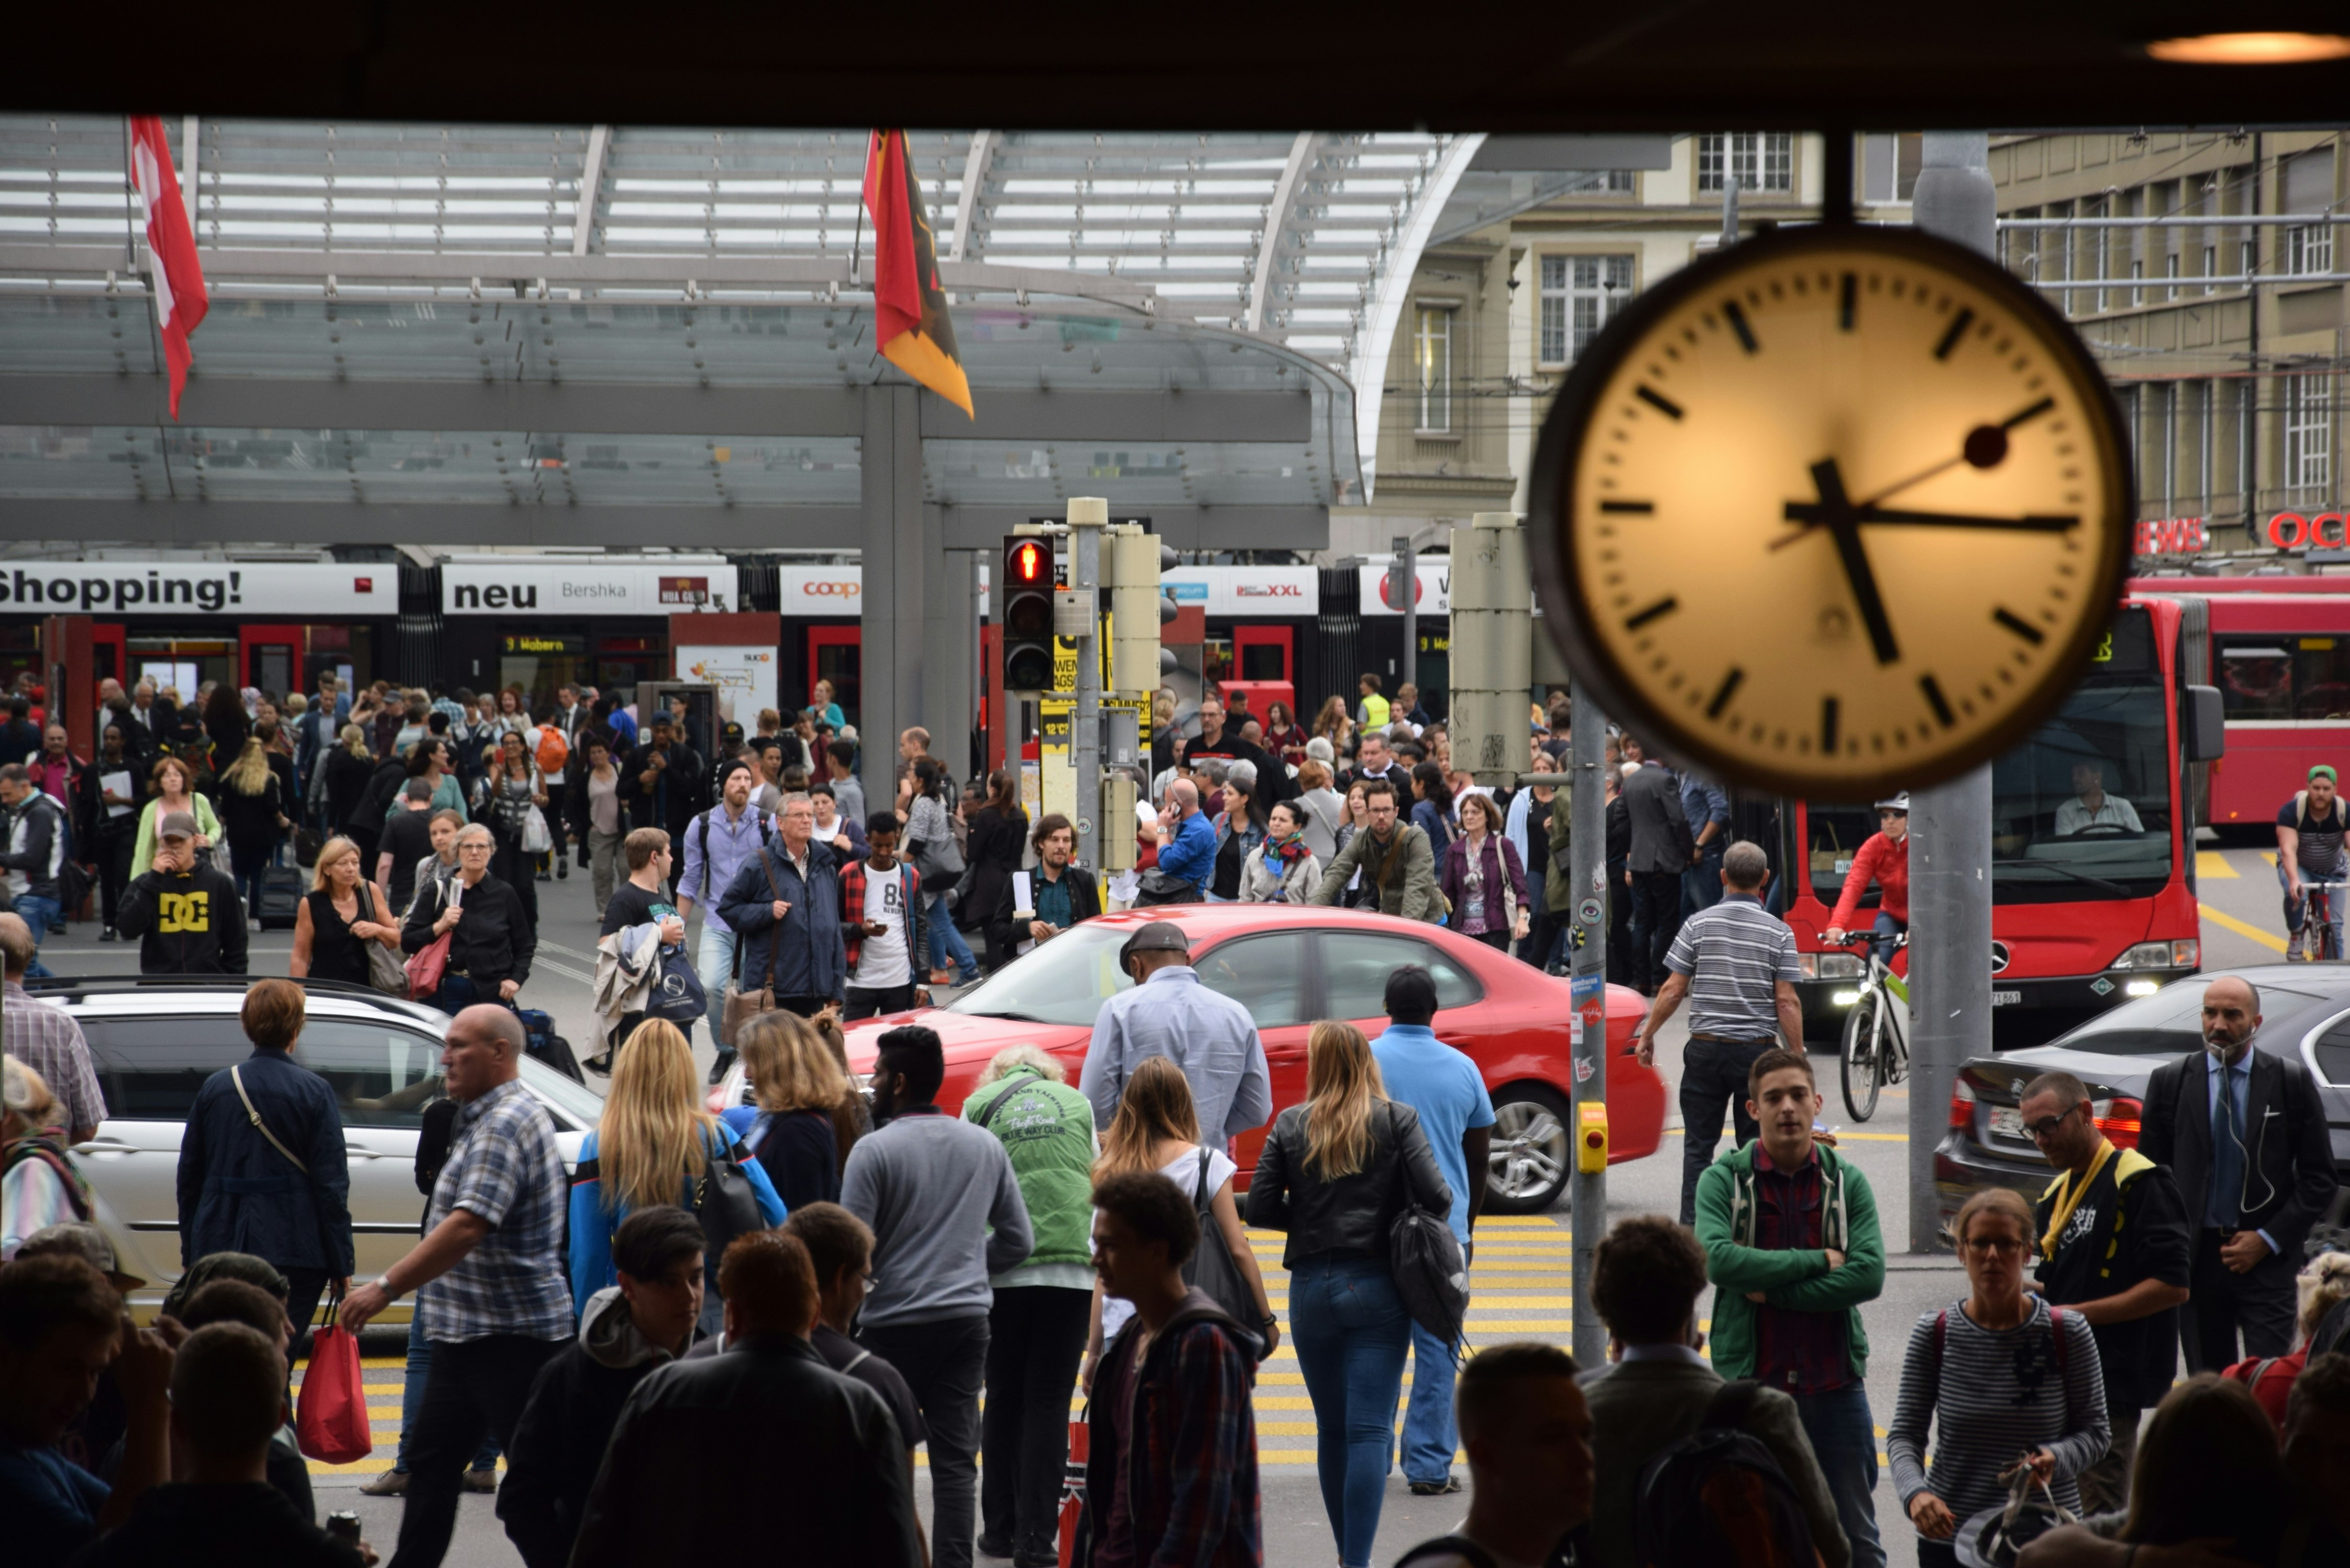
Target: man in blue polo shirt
1449,1092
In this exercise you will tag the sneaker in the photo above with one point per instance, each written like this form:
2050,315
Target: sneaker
482,1481
718,1071
599,1065
110,935
994,1546
2295,954
544,878
940,977
1444,1488
391,1483
562,867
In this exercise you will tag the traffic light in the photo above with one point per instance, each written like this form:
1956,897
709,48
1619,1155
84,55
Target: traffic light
1028,612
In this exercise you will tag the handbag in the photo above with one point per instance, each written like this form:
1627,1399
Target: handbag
676,994
426,965
1158,888
330,1416
386,973
724,1200
1430,1269
939,861
739,1007
1211,1268
537,838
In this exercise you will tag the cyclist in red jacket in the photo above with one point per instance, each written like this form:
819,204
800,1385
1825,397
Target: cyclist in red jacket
1884,860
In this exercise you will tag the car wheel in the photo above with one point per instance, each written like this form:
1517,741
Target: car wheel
1530,1157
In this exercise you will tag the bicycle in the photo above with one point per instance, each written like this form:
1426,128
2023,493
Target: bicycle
1876,1033
2317,915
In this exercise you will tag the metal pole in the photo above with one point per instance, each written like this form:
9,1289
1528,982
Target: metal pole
1729,211
1588,965
1949,824
1407,586
1087,517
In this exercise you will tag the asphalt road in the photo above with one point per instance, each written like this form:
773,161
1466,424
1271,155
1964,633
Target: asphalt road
1521,1280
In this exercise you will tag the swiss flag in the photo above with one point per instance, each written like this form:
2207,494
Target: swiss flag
179,277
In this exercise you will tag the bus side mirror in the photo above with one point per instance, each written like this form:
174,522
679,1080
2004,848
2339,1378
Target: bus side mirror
2203,730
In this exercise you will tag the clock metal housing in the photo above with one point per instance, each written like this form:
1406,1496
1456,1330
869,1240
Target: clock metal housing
1840,511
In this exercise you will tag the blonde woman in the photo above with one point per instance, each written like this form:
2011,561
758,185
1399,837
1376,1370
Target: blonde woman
348,767
852,1118
652,1147
340,914
798,1087
1335,1174
252,810
171,783
1158,1129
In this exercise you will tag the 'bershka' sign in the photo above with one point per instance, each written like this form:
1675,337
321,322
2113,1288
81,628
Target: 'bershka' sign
304,590
590,587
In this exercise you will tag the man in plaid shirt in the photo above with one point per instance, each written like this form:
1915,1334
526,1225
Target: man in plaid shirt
46,1039
495,1300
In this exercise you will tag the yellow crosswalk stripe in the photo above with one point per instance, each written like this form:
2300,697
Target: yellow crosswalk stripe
2211,864
2229,922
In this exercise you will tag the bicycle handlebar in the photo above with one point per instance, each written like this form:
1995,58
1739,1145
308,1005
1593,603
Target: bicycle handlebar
1900,939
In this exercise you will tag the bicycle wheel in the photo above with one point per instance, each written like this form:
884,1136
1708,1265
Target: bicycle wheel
1864,1044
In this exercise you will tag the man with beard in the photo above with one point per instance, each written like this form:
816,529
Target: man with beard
662,780
947,1214
1218,742
2243,1132
1061,894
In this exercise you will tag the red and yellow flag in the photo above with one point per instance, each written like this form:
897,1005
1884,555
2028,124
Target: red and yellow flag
910,309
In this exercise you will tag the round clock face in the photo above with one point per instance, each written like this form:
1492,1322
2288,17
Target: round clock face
1840,511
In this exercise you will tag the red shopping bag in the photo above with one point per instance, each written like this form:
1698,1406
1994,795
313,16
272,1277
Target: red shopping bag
426,966
330,1420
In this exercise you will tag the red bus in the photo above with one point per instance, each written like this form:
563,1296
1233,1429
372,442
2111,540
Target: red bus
2086,912
2281,649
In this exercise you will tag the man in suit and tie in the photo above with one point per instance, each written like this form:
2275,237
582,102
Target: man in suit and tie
1662,848
2243,1131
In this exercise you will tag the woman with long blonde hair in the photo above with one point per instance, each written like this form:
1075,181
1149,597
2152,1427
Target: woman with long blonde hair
342,913
797,1086
1156,1127
654,1145
1335,1174
253,809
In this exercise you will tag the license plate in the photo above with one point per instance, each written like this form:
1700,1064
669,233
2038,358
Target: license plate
2007,1121
2007,999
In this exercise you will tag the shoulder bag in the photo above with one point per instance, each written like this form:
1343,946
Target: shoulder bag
939,861
429,964
723,1199
236,1077
386,973
1212,1269
1430,1269
740,1006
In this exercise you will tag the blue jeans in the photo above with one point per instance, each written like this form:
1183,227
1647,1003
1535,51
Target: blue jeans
1429,1437
714,963
411,1394
1351,1332
1702,883
39,914
947,942
460,991
1844,1436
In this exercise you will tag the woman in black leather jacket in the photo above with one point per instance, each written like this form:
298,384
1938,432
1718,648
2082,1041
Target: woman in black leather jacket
1335,1174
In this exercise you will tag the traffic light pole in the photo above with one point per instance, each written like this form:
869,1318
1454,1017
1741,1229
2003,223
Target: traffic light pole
1088,515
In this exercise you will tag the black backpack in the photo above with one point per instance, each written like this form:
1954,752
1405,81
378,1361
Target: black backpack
1718,1496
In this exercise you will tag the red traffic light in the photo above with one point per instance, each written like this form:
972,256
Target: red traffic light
1027,564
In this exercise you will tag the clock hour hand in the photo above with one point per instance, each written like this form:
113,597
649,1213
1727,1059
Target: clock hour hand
1835,513
2035,524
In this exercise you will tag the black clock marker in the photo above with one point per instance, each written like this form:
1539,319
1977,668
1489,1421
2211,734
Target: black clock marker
1935,700
1737,315
1958,325
2020,627
1827,726
1849,301
1632,508
1723,692
1663,607
1657,401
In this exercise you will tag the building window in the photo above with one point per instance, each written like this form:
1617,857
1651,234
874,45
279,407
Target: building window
2210,266
2100,249
2309,248
1580,294
1433,357
2137,270
2170,269
2307,180
2308,435
1761,160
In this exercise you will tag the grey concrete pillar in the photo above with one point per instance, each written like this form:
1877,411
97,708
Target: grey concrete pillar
949,632
1949,824
898,577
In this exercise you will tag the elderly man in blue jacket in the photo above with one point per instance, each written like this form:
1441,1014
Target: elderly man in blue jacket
785,907
1187,839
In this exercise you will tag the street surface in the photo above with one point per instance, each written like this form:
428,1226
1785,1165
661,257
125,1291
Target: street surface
1521,1277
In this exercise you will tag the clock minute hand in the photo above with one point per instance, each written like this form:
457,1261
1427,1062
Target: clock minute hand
1835,514
1867,513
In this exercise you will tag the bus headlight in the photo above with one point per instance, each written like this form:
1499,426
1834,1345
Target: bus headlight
1844,998
2141,988
1832,966
2160,955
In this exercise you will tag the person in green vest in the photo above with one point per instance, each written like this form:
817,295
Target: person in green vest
1372,710
1037,1329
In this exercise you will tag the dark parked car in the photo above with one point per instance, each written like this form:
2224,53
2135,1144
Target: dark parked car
2304,1015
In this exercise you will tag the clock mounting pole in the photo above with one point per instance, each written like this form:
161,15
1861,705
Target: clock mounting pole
1835,175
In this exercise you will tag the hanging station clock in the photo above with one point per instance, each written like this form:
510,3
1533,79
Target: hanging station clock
1839,511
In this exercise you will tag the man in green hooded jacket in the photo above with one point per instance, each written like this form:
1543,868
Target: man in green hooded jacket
1793,1248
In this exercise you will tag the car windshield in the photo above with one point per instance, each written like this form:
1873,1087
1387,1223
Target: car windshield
2081,810
2170,1021
1065,981
582,1104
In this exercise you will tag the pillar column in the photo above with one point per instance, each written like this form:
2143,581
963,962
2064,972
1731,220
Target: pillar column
897,582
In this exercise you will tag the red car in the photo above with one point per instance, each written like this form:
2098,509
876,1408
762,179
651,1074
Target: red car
1290,965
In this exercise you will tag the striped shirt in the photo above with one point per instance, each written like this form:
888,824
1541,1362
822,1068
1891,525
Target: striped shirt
1994,1397
45,1037
504,1167
1733,954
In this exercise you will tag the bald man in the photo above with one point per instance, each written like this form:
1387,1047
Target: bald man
493,1297
1187,839
2243,1132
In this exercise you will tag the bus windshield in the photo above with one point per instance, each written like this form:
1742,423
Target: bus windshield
2082,811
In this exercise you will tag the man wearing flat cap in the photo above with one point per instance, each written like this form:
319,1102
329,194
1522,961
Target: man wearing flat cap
184,912
1169,1013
